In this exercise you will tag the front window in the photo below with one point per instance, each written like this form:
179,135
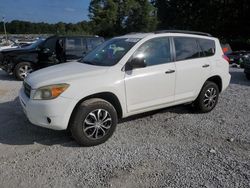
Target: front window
155,51
35,44
110,52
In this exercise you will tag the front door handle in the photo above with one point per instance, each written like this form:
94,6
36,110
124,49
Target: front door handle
170,71
206,65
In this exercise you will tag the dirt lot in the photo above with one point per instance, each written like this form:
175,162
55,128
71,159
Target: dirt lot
174,147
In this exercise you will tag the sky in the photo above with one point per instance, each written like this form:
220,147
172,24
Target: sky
50,11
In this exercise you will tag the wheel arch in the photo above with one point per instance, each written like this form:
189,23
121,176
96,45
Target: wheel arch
22,61
107,96
217,80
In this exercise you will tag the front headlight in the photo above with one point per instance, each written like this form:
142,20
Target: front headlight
49,92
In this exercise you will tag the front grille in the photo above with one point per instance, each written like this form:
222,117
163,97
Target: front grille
27,89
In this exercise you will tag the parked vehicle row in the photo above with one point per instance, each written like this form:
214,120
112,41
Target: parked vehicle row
124,76
239,57
54,50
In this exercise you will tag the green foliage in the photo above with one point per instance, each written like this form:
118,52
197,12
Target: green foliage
23,27
115,17
103,15
223,18
227,19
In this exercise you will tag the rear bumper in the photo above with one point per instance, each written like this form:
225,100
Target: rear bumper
58,111
226,81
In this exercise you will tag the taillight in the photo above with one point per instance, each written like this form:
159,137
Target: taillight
226,58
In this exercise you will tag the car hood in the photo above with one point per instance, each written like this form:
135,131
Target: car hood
6,47
16,50
63,73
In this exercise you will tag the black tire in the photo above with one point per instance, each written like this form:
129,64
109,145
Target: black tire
22,69
248,76
205,103
82,131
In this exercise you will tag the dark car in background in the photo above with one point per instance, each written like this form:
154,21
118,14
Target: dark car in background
239,57
247,68
44,53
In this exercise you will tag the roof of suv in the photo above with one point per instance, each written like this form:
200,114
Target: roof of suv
143,35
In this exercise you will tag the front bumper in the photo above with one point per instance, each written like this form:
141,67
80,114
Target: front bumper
52,114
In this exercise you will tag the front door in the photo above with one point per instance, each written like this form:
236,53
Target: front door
47,53
153,85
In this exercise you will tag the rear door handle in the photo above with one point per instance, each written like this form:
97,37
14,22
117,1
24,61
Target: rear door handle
170,71
206,65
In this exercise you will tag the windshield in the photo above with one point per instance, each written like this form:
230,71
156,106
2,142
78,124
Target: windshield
110,52
36,44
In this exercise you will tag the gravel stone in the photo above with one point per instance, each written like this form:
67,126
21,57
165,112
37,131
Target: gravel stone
164,148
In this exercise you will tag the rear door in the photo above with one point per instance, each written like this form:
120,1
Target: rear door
192,66
74,47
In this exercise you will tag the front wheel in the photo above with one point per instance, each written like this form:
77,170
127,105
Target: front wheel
22,70
208,97
94,122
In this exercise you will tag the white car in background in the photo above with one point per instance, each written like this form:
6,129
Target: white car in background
8,44
125,76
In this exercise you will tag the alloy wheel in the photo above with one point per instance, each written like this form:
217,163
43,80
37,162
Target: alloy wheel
210,98
24,71
97,124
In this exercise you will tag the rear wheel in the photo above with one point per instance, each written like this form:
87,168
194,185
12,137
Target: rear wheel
22,70
94,122
207,98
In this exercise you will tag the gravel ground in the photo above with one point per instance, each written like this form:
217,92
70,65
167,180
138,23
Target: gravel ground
174,147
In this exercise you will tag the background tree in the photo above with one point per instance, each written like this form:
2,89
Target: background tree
223,18
103,15
115,17
141,17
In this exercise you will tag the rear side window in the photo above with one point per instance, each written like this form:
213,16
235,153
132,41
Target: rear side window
74,43
186,48
207,47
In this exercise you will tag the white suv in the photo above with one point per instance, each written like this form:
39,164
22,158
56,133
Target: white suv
125,76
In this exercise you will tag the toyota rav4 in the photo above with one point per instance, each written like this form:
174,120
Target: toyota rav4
125,76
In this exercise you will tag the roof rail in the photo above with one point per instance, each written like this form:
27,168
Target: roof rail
133,33
183,31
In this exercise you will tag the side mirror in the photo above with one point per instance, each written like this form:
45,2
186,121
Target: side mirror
135,63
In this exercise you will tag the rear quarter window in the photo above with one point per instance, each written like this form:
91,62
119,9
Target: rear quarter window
73,43
207,47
